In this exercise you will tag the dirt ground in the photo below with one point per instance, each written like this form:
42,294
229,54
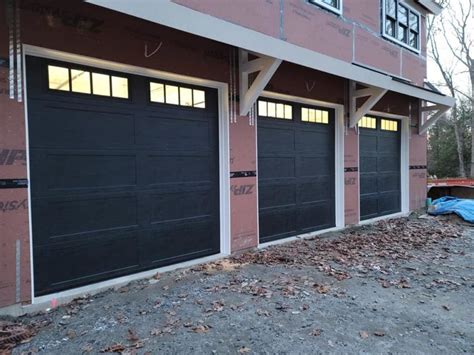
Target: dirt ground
402,286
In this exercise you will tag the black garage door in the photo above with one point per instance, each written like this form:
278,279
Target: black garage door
124,173
295,169
379,145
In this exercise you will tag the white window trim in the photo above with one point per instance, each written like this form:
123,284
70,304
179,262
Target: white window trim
393,39
329,7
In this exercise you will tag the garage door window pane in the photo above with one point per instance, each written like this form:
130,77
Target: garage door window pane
157,92
199,99
314,116
271,109
389,125
368,122
172,95
262,108
288,112
325,117
81,81
120,87
186,97
280,111
100,84
58,78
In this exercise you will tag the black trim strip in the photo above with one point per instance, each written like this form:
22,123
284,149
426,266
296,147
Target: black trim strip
351,170
242,174
13,183
418,167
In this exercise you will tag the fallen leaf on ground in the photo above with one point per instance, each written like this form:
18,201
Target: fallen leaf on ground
363,334
244,350
115,348
201,329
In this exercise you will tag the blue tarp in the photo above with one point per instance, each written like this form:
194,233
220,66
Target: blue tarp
462,207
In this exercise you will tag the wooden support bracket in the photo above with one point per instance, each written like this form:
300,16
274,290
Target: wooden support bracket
438,112
266,66
373,93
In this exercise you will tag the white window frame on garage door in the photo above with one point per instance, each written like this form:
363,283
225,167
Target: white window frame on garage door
404,166
338,163
224,165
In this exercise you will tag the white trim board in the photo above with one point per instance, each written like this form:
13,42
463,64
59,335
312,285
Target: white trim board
200,24
224,149
299,237
381,218
338,156
42,303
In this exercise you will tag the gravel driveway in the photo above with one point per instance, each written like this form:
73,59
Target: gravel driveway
402,286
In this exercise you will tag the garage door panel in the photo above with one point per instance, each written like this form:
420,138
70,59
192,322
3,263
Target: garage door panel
314,166
79,128
369,143
380,184
389,202
275,139
317,190
388,164
179,168
388,145
175,134
76,263
164,206
315,216
388,182
85,170
118,185
277,194
369,164
369,206
368,183
277,223
313,141
179,241
52,172
80,215
276,167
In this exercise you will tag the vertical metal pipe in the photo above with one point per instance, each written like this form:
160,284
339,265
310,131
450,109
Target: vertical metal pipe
18,272
234,84
230,86
19,67
11,49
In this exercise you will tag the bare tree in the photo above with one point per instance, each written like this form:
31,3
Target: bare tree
453,31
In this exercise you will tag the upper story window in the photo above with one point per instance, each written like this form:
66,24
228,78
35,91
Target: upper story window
332,5
401,24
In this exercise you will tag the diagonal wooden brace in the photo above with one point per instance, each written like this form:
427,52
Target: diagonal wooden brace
439,112
266,66
373,93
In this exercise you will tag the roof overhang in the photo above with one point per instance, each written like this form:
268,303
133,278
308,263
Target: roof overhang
170,14
432,6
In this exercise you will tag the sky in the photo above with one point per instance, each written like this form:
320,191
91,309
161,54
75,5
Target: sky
461,77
